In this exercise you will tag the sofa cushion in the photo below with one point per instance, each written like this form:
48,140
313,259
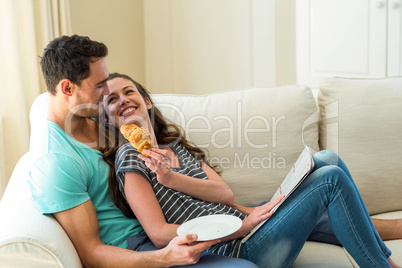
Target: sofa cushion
321,255
361,120
254,136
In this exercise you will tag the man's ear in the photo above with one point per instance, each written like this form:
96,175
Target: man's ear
149,103
66,87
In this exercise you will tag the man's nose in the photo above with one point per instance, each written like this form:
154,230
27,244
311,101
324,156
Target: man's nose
106,90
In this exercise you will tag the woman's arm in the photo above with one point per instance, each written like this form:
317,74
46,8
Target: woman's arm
146,208
243,209
214,190
257,215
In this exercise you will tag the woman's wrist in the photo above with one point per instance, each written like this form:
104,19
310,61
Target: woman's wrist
243,209
243,231
167,179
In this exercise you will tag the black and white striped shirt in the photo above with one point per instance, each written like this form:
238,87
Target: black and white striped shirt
176,206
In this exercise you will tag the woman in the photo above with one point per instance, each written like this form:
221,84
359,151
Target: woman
175,184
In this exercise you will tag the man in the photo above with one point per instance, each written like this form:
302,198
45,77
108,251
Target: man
70,177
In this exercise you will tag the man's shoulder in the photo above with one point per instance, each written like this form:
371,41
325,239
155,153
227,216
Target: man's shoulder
49,137
56,149
59,142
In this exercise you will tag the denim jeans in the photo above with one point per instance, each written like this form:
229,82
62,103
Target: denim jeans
141,242
329,187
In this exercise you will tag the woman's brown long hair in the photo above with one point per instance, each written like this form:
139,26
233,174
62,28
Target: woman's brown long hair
165,133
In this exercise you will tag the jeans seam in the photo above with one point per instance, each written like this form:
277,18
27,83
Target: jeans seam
344,207
353,227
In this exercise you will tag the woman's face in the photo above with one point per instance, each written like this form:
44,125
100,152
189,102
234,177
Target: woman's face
125,104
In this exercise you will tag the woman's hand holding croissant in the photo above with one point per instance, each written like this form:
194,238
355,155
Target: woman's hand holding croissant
160,163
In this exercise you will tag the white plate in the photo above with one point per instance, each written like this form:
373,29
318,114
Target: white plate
210,227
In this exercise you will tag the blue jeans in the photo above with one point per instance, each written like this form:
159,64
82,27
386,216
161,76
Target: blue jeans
141,242
329,187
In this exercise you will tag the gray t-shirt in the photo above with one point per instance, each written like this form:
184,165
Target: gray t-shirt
176,206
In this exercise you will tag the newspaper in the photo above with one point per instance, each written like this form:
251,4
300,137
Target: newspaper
299,171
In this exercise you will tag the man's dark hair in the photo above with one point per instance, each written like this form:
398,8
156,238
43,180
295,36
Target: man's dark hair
68,57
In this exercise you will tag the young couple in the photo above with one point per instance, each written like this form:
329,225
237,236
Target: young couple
70,181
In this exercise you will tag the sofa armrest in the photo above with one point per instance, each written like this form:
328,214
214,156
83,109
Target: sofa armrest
28,238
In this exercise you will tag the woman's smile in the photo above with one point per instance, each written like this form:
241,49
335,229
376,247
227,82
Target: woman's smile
128,111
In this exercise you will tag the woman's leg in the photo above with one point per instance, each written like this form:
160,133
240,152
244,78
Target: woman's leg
218,261
325,158
141,242
323,232
278,242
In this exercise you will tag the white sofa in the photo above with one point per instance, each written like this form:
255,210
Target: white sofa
254,135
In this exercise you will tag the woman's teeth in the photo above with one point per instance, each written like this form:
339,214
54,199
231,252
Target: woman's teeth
129,110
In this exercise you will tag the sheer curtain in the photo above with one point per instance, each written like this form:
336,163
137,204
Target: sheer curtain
26,27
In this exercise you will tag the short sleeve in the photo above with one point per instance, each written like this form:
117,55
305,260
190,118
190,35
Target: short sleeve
58,182
127,161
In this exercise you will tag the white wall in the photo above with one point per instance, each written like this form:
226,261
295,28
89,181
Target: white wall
119,25
194,46
285,42
203,46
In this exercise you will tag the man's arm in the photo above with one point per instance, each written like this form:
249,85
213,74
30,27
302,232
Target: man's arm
81,225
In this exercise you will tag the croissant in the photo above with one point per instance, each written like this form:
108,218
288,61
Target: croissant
137,136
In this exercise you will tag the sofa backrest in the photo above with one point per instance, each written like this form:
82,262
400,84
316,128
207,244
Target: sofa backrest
254,136
361,120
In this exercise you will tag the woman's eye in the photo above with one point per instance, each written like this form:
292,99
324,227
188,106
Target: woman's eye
111,100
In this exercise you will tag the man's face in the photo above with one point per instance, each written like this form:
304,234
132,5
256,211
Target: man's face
88,96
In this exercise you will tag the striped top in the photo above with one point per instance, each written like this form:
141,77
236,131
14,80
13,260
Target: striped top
176,206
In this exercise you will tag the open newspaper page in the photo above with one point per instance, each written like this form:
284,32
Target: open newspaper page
300,170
